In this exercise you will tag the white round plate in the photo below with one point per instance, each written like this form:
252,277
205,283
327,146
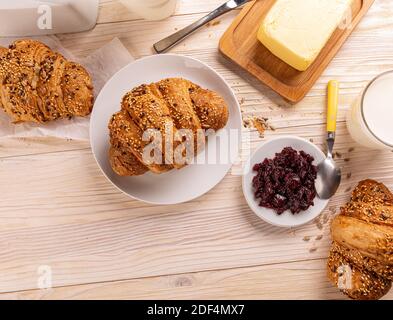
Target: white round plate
268,150
176,186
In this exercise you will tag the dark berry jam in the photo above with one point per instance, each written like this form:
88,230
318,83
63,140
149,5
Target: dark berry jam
286,182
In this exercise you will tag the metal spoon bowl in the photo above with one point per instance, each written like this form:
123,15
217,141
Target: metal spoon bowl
328,178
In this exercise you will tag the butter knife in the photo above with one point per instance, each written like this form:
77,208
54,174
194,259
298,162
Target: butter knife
169,42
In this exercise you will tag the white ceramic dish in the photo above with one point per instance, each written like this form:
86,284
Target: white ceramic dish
268,150
23,18
176,186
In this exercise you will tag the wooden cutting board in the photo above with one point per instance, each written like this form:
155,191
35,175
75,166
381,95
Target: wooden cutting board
240,44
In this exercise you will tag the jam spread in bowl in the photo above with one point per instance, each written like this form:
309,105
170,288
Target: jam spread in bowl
286,182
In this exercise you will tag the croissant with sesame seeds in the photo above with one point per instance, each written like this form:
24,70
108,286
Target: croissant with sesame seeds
170,103
40,85
363,243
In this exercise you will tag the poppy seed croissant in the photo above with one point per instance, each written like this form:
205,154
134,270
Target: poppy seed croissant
176,102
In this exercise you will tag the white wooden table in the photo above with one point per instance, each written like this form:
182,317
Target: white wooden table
58,210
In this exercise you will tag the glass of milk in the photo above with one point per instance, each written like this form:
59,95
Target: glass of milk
370,120
151,9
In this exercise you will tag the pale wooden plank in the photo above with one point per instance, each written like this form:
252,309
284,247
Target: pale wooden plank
11,147
59,210
297,281
140,35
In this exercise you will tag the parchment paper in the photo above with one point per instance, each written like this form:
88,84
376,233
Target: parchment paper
102,65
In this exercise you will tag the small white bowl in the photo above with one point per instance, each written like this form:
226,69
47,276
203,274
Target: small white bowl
268,150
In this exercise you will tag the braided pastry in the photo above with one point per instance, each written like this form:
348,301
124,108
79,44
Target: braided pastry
173,102
363,240
39,85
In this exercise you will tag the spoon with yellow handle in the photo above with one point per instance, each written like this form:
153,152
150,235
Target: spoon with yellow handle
329,174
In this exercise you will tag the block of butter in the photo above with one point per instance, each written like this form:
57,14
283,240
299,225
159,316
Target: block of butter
297,30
